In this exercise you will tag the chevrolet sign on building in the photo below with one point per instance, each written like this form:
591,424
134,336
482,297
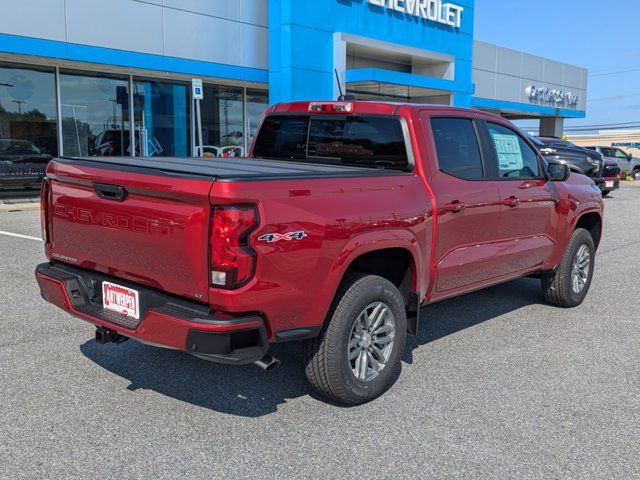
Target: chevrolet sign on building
432,10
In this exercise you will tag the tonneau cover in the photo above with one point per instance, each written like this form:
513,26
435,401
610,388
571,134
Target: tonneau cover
230,168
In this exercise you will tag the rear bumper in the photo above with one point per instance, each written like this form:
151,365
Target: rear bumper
611,184
164,320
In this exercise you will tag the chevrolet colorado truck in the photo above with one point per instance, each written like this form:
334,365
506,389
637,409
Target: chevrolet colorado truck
344,220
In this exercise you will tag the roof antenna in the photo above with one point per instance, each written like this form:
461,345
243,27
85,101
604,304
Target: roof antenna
343,97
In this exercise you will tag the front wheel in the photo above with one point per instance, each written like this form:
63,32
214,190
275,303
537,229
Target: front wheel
568,285
356,357
636,174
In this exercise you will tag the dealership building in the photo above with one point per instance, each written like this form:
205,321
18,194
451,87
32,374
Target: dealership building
89,77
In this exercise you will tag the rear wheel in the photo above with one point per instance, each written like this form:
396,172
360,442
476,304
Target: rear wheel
356,357
606,192
568,285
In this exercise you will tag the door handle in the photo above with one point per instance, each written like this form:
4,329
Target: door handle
110,192
455,207
511,202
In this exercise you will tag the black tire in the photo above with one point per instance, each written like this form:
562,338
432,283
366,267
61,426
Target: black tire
636,174
557,286
328,368
606,192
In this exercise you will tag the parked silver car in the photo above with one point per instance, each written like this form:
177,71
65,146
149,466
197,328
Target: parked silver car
627,162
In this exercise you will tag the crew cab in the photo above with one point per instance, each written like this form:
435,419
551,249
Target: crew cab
344,220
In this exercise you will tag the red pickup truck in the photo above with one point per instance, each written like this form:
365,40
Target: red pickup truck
345,219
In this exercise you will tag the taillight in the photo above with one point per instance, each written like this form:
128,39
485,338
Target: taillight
44,196
232,260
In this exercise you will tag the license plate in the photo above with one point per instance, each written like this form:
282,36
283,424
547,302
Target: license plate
609,184
120,299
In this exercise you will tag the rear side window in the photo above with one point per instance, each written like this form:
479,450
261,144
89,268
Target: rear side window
607,152
457,147
369,141
516,159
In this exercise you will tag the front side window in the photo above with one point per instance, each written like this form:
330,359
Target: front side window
516,159
620,154
457,147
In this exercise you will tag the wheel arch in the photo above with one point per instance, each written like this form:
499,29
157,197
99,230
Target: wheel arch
395,264
393,255
591,222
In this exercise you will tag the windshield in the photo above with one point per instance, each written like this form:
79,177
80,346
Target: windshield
533,139
557,142
364,140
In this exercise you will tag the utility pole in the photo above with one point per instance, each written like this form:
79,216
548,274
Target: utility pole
19,103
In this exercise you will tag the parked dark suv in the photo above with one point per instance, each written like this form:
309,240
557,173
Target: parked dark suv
22,165
579,159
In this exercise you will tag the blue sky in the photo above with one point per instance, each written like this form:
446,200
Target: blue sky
601,36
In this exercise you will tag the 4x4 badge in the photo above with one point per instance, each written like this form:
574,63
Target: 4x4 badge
276,237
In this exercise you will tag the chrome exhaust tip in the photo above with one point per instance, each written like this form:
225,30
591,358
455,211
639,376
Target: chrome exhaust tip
268,363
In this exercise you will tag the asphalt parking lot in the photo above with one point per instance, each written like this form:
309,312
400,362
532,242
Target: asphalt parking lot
497,385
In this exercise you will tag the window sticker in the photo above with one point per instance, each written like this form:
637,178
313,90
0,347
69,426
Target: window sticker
509,153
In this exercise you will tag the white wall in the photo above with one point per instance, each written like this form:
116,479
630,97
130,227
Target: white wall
232,32
504,74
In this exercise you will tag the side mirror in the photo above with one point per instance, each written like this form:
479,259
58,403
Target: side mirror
629,157
558,172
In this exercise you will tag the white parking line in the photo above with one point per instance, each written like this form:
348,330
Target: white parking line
10,234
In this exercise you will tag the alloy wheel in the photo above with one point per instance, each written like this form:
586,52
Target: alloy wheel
580,269
371,341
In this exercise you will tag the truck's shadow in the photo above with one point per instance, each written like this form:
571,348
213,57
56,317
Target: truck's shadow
248,391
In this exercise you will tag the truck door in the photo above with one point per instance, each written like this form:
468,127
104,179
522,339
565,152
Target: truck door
528,220
624,161
468,206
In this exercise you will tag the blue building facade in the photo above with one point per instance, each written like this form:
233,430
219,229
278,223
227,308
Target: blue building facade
307,43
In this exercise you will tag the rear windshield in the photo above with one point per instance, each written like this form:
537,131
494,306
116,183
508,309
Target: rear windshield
364,140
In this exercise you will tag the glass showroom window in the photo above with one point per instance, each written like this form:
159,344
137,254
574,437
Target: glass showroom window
222,122
257,103
95,115
27,112
161,119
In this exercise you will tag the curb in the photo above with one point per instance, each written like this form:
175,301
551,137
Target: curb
19,207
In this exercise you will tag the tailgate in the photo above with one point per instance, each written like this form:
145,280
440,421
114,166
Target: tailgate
144,226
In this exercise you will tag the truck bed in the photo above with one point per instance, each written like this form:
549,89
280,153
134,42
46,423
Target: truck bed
229,169
156,233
